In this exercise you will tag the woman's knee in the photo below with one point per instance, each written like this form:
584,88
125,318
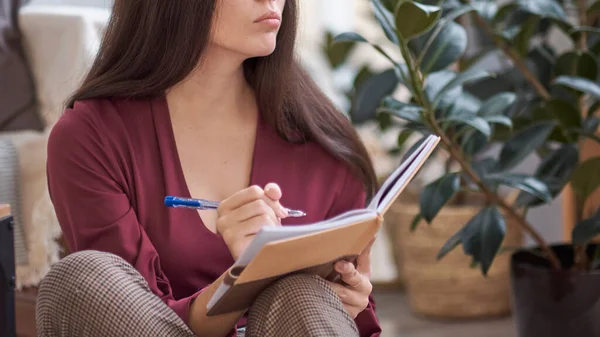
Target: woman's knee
300,292
300,305
76,268
297,285
80,276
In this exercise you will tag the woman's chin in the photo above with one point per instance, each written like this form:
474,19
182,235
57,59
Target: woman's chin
262,48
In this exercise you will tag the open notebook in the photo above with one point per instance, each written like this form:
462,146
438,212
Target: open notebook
312,248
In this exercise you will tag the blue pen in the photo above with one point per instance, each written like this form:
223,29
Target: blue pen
172,201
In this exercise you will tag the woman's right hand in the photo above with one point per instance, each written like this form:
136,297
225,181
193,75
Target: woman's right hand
242,215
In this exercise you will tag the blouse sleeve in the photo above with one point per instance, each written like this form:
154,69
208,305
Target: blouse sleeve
87,187
352,196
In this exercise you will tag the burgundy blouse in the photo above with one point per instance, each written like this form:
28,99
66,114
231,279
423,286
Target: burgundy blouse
112,162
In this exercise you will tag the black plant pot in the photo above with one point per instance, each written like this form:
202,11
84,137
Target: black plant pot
550,303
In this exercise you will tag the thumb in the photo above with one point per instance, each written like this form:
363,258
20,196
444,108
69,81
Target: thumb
273,191
363,262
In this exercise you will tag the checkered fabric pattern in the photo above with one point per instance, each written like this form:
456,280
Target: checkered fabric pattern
300,305
93,293
99,294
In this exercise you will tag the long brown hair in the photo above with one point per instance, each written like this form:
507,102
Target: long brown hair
149,46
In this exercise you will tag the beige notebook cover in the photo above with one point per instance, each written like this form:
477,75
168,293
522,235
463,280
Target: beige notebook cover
313,248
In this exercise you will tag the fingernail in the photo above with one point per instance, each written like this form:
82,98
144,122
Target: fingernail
284,211
342,267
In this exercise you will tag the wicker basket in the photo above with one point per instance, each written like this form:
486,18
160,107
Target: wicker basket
394,222
450,288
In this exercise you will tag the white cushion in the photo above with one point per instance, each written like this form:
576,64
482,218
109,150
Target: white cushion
60,42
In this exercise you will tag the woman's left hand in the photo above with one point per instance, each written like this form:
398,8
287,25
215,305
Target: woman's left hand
357,288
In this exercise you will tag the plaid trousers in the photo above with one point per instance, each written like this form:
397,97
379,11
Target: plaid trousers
93,293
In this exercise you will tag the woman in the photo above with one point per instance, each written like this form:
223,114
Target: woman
202,99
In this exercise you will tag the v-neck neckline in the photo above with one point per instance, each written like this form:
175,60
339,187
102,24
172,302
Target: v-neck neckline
182,183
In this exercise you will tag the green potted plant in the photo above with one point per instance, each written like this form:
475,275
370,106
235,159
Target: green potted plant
536,113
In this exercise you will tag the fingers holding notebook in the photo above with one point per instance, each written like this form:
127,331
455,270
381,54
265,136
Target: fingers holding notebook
355,291
363,262
356,288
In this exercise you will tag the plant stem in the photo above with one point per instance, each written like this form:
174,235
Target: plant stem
514,56
458,156
582,7
415,78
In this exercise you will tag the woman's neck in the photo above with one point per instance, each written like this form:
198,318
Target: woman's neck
216,88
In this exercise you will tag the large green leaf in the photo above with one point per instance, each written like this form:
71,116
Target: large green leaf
390,5
386,19
544,8
445,49
523,143
486,9
461,103
554,171
469,76
586,179
363,74
414,19
580,84
483,235
435,82
472,120
560,163
484,166
451,244
524,36
497,104
445,44
403,137
587,229
576,63
577,30
473,142
541,62
336,53
529,184
406,111
594,8
349,37
415,222
565,114
595,48
370,94
437,194
504,12
502,120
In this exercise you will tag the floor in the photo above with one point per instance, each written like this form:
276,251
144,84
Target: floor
394,314
398,321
